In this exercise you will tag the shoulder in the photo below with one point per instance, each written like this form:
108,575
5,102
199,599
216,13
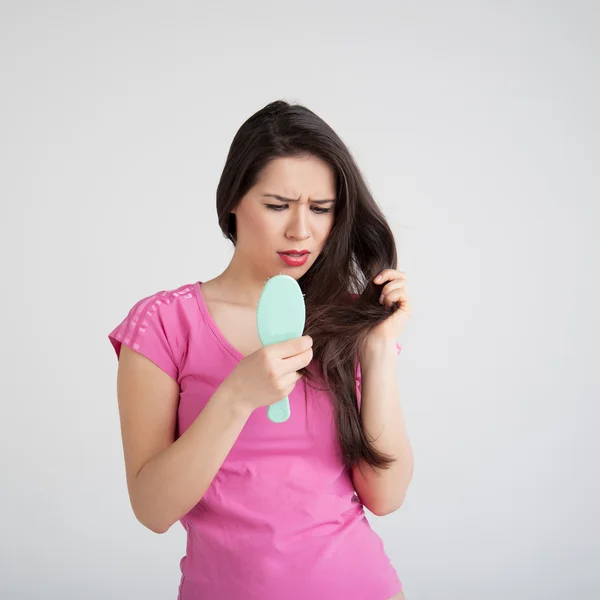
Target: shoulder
171,296
166,302
158,325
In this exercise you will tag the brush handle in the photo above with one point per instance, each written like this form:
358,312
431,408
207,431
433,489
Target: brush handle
280,411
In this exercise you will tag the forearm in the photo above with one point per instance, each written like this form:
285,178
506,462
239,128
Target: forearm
383,490
174,481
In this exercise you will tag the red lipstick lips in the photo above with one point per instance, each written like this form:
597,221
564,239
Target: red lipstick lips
294,258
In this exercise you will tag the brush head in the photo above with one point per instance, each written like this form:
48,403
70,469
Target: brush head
281,312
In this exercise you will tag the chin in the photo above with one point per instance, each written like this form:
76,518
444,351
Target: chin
291,271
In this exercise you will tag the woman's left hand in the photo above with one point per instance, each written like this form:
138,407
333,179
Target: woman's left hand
393,291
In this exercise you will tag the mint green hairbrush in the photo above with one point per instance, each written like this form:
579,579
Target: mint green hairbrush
280,316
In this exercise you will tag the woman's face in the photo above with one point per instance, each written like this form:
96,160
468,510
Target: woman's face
289,209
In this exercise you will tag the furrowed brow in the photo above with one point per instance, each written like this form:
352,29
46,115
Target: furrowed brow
282,199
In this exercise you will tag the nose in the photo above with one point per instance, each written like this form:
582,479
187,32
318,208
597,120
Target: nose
298,228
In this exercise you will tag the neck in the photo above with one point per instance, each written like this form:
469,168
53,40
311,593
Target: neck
241,283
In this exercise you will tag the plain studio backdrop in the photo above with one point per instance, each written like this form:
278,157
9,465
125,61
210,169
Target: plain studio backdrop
476,125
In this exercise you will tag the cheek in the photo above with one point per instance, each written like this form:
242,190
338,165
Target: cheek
262,231
323,228
259,224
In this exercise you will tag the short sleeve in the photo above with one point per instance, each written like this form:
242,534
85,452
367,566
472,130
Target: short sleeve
151,328
359,376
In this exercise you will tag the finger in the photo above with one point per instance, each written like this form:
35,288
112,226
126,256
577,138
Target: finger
389,275
395,296
288,382
290,378
291,347
383,276
297,362
393,285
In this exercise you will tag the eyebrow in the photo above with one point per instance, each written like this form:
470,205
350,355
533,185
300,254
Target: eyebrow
282,199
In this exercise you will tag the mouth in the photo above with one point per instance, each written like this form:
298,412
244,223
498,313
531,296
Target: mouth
295,252
294,258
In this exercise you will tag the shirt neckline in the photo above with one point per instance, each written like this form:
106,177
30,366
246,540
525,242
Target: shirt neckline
212,324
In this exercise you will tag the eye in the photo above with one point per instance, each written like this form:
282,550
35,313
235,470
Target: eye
280,207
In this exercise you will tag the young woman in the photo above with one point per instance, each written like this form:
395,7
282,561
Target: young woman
275,510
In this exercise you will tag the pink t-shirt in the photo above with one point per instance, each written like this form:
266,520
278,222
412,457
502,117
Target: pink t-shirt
280,519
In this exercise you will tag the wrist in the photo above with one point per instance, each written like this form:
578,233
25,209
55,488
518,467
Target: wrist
234,401
378,348
380,341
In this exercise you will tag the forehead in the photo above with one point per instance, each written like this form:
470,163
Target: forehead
296,176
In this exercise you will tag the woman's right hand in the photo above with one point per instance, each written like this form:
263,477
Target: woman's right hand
269,374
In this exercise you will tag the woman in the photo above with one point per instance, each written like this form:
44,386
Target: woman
275,510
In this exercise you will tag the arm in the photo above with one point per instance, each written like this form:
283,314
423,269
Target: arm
166,477
382,491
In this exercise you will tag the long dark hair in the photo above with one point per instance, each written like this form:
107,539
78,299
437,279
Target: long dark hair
341,299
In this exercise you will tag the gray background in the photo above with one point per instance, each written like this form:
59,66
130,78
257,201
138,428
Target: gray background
476,125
